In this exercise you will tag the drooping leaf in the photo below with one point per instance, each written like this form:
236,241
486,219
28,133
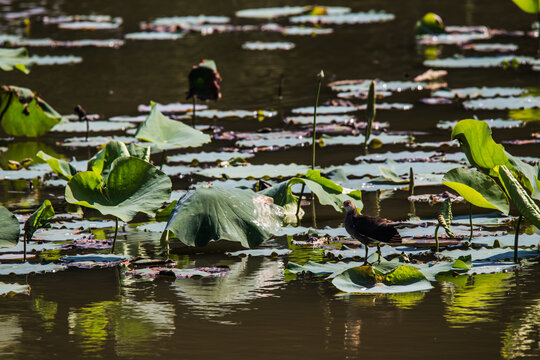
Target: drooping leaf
61,167
476,142
211,213
477,188
9,229
526,206
204,81
14,59
530,6
39,219
24,113
133,185
165,133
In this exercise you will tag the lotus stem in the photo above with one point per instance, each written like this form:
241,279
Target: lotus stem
194,113
300,201
516,239
87,129
320,77
162,159
370,112
411,181
437,238
115,234
313,211
280,87
24,256
470,222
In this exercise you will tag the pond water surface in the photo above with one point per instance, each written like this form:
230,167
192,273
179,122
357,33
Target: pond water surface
258,309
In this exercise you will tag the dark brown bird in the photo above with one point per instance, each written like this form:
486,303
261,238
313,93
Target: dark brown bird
369,229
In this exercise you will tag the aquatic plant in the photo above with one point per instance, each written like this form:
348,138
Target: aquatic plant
204,82
39,219
165,133
14,59
444,220
212,213
23,113
370,113
491,159
9,229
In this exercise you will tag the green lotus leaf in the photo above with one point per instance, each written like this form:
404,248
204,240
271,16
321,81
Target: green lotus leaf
39,219
133,185
211,213
165,133
527,175
24,113
14,59
327,191
477,188
530,6
10,230
101,162
524,203
61,167
478,145
431,24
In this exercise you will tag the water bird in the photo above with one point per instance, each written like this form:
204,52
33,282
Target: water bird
369,229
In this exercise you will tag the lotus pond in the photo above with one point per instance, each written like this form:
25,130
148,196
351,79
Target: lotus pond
113,184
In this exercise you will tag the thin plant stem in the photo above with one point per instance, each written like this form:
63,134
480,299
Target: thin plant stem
115,233
25,238
194,113
516,239
437,238
162,159
300,201
319,82
87,128
470,222
313,211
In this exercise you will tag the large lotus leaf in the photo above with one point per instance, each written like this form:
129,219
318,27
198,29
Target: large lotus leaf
165,133
527,175
9,229
365,279
477,188
61,167
14,59
101,162
283,196
133,186
530,6
476,142
211,213
24,113
39,219
526,206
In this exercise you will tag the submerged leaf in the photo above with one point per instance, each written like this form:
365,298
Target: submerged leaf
211,213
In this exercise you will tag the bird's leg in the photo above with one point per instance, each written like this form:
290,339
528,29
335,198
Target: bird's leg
365,259
379,252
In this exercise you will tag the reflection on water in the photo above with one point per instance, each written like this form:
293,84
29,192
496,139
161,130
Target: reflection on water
248,279
522,337
407,300
10,332
47,310
471,299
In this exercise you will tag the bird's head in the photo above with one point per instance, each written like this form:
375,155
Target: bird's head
348,206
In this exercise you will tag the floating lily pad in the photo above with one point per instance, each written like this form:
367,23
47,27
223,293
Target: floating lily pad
493,123
154,272
232,114
275,12
55,60
89,261
359,140
22,174
190,20
94,126
96,141
454,39
389,106
260,252
362,85
483,92
478,62
13,289
260,45
256,171
305,31
321,269
416,156
323,119
29,268
91,25
525,240
347,18
154,35
526,102
172,107
125,118
496,254
364,169
494,47
73,18
157,227
325,110
209,156
105,43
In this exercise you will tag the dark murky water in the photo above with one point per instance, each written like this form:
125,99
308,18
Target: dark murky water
256,311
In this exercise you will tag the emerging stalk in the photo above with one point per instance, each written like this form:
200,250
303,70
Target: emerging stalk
516,239
370,112
115,234
194,113
411,182
437,238
162,159
25,240
470,222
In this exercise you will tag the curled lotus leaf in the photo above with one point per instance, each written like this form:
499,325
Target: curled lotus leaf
204,81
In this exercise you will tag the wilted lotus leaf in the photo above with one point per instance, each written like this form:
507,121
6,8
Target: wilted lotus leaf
9,229
344,18
165,133
14,59
260,45
211,214
133,185
25,113
430,23
204,81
